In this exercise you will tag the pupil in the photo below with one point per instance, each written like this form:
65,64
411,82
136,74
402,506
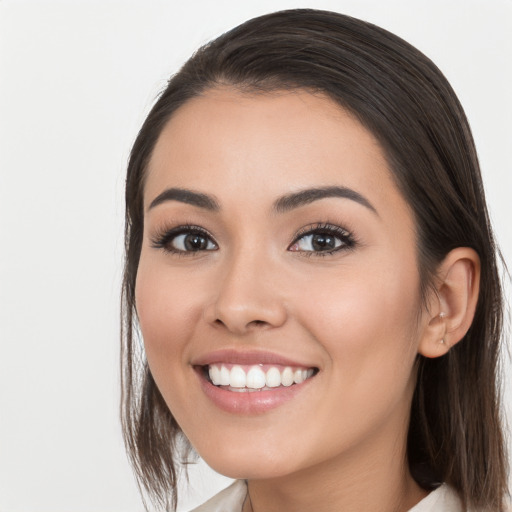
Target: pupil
322,242
195,242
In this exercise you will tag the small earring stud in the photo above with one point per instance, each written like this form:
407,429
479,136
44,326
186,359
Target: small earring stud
442,314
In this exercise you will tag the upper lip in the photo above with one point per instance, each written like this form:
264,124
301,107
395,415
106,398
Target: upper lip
247,357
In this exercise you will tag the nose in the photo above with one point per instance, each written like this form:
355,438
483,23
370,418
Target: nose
247,296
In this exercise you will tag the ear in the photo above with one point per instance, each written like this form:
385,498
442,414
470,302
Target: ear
452,303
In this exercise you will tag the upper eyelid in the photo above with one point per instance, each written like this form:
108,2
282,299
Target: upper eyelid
348,241
164,234
170,232
182,228
315,228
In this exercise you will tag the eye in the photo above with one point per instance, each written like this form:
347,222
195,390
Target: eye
192,242
184,239
322,239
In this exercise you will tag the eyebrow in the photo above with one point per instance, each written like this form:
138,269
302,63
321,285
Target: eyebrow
282,205
307,196
186,196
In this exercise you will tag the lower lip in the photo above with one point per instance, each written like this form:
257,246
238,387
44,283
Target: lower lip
250,402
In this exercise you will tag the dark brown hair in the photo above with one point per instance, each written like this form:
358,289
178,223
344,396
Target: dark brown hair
405,101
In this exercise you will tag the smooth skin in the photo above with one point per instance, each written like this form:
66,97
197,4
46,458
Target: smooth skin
254,280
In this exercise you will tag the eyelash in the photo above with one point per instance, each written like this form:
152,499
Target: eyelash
347,240
163,239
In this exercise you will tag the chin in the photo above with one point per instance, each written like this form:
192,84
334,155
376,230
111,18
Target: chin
250,460
248,469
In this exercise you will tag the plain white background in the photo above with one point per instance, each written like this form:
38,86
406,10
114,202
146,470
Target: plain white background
76,80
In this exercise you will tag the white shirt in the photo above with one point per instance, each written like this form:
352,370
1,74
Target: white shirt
443,499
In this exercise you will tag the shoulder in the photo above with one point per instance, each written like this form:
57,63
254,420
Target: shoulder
442,499
230,499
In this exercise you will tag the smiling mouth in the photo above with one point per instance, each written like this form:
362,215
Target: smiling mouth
258,377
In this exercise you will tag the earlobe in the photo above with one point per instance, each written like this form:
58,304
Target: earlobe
453,302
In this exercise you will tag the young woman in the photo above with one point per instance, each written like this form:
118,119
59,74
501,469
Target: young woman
310,263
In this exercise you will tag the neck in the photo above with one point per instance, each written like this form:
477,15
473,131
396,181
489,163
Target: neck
368,478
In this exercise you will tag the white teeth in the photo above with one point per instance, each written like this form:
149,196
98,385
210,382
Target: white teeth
214,373
297,377
224,377
287,377
237,377
273,378
256,378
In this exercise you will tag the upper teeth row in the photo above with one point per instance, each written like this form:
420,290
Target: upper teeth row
256,378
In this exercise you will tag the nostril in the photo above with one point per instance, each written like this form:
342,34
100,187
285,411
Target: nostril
239,318
257,324
252,323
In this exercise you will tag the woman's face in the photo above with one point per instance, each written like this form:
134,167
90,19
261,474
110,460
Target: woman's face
277,248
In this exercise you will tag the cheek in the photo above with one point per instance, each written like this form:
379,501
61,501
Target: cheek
367,323
367,328
166,313
359,297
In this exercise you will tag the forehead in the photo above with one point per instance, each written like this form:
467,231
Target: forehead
236,144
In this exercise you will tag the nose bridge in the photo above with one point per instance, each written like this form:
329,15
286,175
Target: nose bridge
247,297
